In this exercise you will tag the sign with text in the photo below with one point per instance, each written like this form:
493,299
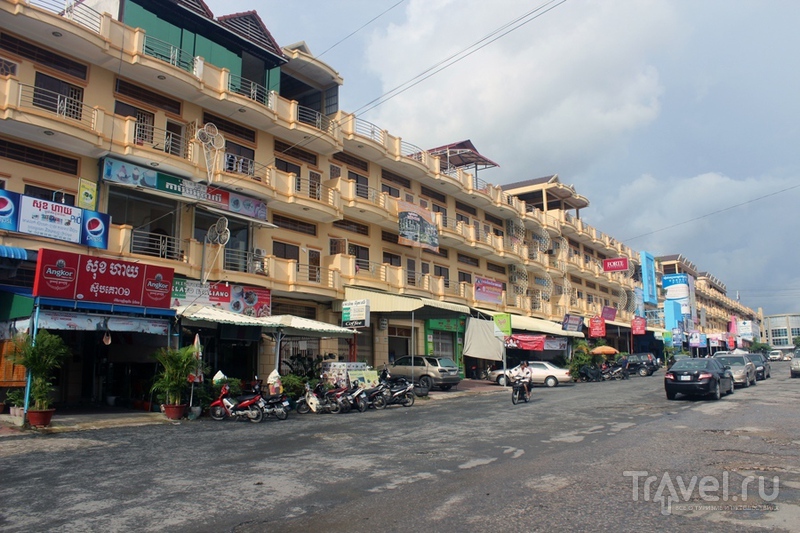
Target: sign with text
417,227
615,265
488,290
638,325
572,323
355,314
97,279
54,220
609,313
597,326
242,299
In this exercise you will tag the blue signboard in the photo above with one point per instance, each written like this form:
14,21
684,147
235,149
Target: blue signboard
649,288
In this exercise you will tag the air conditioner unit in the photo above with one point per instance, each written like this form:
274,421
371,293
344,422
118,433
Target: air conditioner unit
259,252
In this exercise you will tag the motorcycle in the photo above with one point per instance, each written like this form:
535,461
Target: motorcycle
357,397
320,400
587,373
612,372
401,393
518,391
244,407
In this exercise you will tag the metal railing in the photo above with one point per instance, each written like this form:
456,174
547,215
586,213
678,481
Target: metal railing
156,245
316,119
412,152
241,261
166,52
162,140
58,104
373,196
370,269
238,164
250,89
416,279
310,188
369,130
75,11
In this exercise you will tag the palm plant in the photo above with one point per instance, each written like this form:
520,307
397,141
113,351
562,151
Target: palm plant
176,365
40,356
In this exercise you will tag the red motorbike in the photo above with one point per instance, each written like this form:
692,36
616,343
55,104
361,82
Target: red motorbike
245,407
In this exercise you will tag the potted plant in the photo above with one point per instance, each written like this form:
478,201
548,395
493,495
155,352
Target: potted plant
41,356
175,365
15,398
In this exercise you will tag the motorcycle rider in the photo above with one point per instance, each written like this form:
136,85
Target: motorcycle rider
525,375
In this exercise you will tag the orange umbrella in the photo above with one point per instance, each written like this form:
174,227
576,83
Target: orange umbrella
604,350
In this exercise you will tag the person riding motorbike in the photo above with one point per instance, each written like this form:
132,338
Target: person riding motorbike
525,375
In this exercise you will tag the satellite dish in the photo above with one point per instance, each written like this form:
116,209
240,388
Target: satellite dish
221,225
224,237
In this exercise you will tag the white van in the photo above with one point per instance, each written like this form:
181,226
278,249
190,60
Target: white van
775,355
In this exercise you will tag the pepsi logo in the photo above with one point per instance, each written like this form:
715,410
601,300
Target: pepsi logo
6,207
95,227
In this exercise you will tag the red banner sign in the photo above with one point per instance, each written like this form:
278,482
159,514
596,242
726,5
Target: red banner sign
526,342
615,265
597,327
99,279
638,325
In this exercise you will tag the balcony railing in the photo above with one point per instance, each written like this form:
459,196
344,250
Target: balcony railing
370,269
156,245
58,104
73,10
238,164
244,261
373,196
412,152
162,140
310,188
416,279
250,89
316,119
369,130
166,52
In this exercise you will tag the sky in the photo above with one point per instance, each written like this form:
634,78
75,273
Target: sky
676,119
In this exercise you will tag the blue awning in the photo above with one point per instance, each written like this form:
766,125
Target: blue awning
12,252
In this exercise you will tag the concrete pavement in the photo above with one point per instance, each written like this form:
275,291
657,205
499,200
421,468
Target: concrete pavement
101,416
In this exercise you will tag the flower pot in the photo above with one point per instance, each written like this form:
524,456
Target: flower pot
174,412
40,419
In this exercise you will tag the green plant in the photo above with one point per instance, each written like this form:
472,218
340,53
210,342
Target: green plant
293,385
15,397
175,367
40,356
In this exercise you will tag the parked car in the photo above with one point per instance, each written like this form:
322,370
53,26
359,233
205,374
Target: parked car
775,355
763,368
794,367
698,377
544,373
743,369
643,364
428,371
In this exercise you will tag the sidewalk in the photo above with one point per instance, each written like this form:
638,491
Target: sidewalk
100,417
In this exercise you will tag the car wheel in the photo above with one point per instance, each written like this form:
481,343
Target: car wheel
426,382
502,381
755,381
746,382
671,395
551,381
715,394
730,391
643,371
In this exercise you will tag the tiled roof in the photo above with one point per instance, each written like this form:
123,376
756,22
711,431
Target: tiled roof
198,6
462,154
250,26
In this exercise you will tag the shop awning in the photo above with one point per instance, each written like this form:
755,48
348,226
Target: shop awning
609,323
208,313
299,326
12,252
536,325
382,302
230,214
449,306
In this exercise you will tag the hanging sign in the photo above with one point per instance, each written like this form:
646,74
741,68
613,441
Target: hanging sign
617,264
638,325
355,314
597,327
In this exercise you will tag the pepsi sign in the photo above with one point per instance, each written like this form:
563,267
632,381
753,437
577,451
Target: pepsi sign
9,213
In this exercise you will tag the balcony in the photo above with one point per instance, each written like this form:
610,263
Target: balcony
452,232
161,140
367,204
73,10
251,90
168,53
157,245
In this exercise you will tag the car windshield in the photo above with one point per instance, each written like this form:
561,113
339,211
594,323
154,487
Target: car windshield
690,364
444,361
731,360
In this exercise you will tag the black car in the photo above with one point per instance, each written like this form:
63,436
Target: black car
698,377
643,364
763,368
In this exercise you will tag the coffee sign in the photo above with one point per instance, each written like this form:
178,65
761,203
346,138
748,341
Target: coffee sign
98,279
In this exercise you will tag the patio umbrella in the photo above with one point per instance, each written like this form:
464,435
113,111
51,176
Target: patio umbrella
604,350
198,375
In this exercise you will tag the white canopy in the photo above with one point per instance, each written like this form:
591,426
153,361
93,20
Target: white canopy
295,325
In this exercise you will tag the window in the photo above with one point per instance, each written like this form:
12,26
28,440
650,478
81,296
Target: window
351,161
148,97
467,260
392,259
331,97
464,219
39,158
239,159
7,68
42,56
145,121
461,206
464,277
285,251
434,195
500,269
349,225
285,166
50,195
361,253
295,152
230,128
362,184
780,332
389,237
394,178
441,271
294,225
58,96
391,191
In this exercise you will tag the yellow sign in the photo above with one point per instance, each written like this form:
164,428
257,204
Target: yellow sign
87,195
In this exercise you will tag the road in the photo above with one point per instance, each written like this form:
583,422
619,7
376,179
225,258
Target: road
579,457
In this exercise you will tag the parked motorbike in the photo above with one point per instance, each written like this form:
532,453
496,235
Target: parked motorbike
320,400
588,373
243,407
357,398
276,405
518,392
375,397
400,393
612,372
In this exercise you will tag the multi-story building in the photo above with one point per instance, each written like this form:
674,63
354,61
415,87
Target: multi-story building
713,312
153,139
780,331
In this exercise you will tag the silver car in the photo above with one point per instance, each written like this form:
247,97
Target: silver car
742,368
544,373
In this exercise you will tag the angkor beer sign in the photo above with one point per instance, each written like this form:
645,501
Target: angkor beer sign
617,264
102,280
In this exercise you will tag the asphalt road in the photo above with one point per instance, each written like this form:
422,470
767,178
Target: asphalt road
579,457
